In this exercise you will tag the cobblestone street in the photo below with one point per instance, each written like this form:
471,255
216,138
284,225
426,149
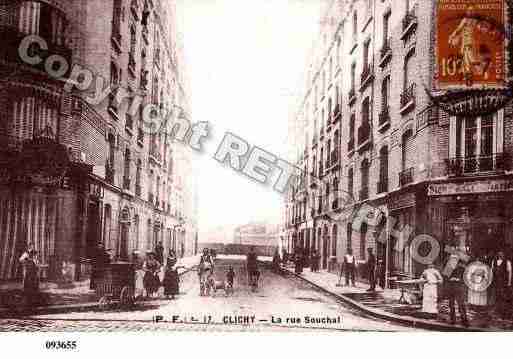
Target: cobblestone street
278,298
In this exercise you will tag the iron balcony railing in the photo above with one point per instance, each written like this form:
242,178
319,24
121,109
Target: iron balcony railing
408,95
406,176
385,49
11,40
409,19
384,115
467,165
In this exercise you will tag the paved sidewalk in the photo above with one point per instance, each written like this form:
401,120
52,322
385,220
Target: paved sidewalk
62,297
385,304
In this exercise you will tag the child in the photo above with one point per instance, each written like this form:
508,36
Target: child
229,277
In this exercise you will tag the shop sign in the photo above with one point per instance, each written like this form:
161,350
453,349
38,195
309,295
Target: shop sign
402,201
444,189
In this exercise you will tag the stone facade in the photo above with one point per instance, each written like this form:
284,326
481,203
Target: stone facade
365,99
123,185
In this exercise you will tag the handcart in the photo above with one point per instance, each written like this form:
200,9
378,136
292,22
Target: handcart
115,285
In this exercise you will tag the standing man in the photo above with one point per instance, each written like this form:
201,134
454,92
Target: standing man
349,267
502,282
159,252
456,289
252,267
371,267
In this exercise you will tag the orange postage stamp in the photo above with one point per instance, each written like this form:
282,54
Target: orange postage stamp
470,44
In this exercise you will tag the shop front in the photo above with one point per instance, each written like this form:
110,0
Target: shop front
478,220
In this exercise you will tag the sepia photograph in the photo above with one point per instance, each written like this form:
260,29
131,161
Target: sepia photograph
256,166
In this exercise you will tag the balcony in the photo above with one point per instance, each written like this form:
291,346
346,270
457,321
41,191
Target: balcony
408,99
385,53
126,182
409,22
351,96
11,39
384,118
366,77
460,166
406,177
382,185
364,193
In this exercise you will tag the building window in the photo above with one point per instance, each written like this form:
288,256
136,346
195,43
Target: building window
364,172
138,178
349,235
409,70
116,19
363,240
350,181
386,28
355,26
383,170
366,47
353,76
334,236
385,92
126,177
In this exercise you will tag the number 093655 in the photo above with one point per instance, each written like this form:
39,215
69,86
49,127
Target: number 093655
61,345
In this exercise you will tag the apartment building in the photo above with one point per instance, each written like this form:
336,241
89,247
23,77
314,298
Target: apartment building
367,128
77,172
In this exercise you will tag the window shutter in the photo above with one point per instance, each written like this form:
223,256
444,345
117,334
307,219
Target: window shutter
452,137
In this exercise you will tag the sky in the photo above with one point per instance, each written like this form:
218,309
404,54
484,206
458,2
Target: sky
245,60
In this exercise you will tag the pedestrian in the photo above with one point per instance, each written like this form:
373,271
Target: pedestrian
456,289
371,268
171,280
100,260
502,283
432,278
380,273
151,280
276,261
350,267
230,275
252,266
298,261
159,252
313,256
205,268
171,257
30,276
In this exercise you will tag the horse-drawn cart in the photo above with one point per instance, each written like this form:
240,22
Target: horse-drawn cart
115,284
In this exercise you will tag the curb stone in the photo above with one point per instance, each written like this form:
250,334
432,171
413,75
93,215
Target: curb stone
401,319
6,313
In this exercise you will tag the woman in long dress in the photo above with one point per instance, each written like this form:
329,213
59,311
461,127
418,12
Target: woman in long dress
151,280
432,278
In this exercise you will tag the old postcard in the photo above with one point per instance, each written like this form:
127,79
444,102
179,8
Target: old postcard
255,166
